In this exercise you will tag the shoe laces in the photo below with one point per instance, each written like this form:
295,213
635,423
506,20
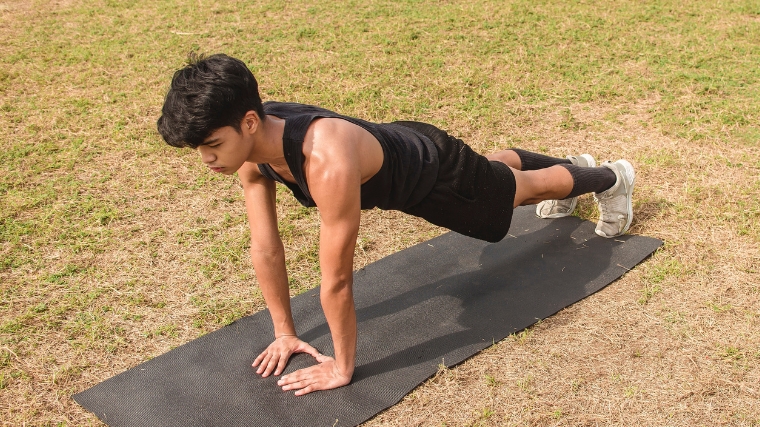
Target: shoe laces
612,207
561,204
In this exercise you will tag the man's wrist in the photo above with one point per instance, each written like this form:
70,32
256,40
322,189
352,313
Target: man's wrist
278,336
345,371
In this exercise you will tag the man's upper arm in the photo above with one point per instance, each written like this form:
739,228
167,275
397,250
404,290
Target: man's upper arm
334,180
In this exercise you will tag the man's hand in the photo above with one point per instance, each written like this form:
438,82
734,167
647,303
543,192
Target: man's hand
324,376
278,353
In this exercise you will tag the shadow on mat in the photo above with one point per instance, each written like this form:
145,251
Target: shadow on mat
515,282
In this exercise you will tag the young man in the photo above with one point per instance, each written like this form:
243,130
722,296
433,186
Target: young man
342,165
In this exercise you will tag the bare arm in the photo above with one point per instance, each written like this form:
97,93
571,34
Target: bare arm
340,215
334,177
267,252
268,257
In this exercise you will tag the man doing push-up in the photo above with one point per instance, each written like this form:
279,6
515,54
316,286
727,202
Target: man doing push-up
342,165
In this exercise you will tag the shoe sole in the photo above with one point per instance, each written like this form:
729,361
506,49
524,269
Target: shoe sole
556,215
591,164
631,175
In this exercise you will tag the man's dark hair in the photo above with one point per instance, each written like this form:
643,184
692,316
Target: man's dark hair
208,94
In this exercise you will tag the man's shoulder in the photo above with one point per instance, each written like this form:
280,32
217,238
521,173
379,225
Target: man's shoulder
249,173
289,109
333,135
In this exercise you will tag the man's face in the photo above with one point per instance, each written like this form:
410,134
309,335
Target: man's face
225,150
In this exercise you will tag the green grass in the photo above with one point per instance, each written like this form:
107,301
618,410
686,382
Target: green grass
477,59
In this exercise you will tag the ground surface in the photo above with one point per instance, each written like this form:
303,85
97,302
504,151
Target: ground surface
115,248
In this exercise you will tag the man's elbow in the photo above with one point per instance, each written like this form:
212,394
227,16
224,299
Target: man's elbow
266,253
337,286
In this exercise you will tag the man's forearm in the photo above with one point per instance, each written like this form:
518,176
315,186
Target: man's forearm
338,306
273,281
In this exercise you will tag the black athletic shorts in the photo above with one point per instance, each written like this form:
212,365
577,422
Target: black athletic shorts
472,195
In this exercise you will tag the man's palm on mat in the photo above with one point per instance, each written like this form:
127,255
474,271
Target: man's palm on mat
323,376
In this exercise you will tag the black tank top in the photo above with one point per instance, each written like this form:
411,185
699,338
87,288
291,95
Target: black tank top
410,159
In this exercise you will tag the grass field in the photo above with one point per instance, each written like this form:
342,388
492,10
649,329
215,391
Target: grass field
115,248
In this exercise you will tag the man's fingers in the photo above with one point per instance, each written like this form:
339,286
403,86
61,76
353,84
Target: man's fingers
299,375
270,366
264,367
300,381
263,362
275,358
295,385
281,365
321,358
259,359
318,377
305,390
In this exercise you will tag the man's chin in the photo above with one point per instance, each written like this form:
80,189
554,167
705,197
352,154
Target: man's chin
231,171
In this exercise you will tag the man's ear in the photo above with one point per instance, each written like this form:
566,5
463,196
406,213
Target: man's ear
250,122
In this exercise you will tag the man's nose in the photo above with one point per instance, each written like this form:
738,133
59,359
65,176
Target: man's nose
206,155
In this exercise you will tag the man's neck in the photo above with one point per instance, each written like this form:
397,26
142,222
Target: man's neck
267,142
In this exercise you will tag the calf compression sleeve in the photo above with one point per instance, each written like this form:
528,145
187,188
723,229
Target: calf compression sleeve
590,180
532,161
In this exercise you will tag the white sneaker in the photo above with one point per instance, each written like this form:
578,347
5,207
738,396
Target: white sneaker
615,204
564,207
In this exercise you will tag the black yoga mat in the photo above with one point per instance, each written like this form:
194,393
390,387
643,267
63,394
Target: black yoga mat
438,302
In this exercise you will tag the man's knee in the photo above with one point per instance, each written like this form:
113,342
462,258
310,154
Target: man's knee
508,157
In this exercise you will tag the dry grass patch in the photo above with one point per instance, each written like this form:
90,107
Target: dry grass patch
674,342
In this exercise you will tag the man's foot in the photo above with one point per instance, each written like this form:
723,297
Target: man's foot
615,206
564,207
